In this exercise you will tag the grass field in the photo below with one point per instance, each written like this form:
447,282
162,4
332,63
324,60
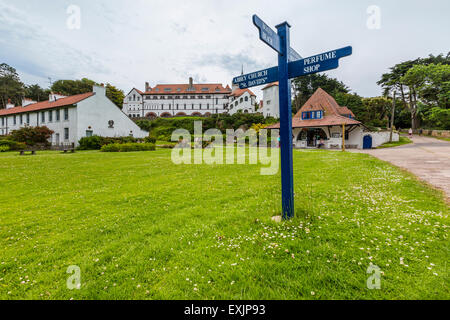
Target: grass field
140,227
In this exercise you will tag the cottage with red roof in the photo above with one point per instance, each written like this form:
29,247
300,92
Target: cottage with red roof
322,123
72,118
176,100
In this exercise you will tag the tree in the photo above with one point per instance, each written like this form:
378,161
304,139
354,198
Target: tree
115,95
10,86
393,80
73,87
32,135
432,83
36,93
304,87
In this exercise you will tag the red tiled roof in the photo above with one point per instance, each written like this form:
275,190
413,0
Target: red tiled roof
345,111
239,92
185,89
271,85
47,104
321,100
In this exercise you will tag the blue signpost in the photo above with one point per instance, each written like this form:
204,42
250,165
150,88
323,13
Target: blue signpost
290,65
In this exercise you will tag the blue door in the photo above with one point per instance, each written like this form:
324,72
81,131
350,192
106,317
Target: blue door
367,142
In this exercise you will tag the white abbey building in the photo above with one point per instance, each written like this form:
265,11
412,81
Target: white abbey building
271,101
176,100
241,100
170,100
72,118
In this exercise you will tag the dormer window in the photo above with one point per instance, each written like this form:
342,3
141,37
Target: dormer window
309,115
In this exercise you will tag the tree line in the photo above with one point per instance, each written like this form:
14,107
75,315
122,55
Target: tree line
11,87
421,86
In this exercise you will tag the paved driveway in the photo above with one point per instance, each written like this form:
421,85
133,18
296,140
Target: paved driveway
427,158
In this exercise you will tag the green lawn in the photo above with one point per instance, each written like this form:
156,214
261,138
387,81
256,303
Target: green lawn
400,142
140,227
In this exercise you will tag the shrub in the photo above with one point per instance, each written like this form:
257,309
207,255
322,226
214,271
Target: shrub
128,147
150,139
91,143
97,142
32,135
4,148
13,145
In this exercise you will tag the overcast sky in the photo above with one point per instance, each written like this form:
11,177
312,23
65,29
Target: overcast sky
129,42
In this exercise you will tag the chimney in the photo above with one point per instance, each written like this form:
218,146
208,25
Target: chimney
99,90
147,87
191,83
9,105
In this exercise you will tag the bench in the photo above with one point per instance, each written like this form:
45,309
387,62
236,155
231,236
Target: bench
72,150
32,152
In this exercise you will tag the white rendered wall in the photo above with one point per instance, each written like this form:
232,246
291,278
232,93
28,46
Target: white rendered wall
271,102
235,104
96,112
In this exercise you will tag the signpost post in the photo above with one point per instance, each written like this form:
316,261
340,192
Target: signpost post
290,65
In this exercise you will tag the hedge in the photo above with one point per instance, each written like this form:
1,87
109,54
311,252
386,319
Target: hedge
128,147
97,142
13,145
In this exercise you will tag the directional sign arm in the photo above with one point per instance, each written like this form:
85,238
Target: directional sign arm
267,35
318,63
257,78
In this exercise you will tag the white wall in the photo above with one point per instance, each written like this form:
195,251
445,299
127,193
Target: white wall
271,102
235,104
378,138
56,126
97,111
146,104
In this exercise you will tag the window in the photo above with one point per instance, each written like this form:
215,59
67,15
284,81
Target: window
241,100
28,118
21,119
3,122
14,120
312,115
66,114
42,117
207,106
57,115
246,98
217,100
66,133
185,106
268,102
50,116
89,133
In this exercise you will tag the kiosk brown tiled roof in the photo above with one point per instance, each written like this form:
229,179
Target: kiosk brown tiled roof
333,114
